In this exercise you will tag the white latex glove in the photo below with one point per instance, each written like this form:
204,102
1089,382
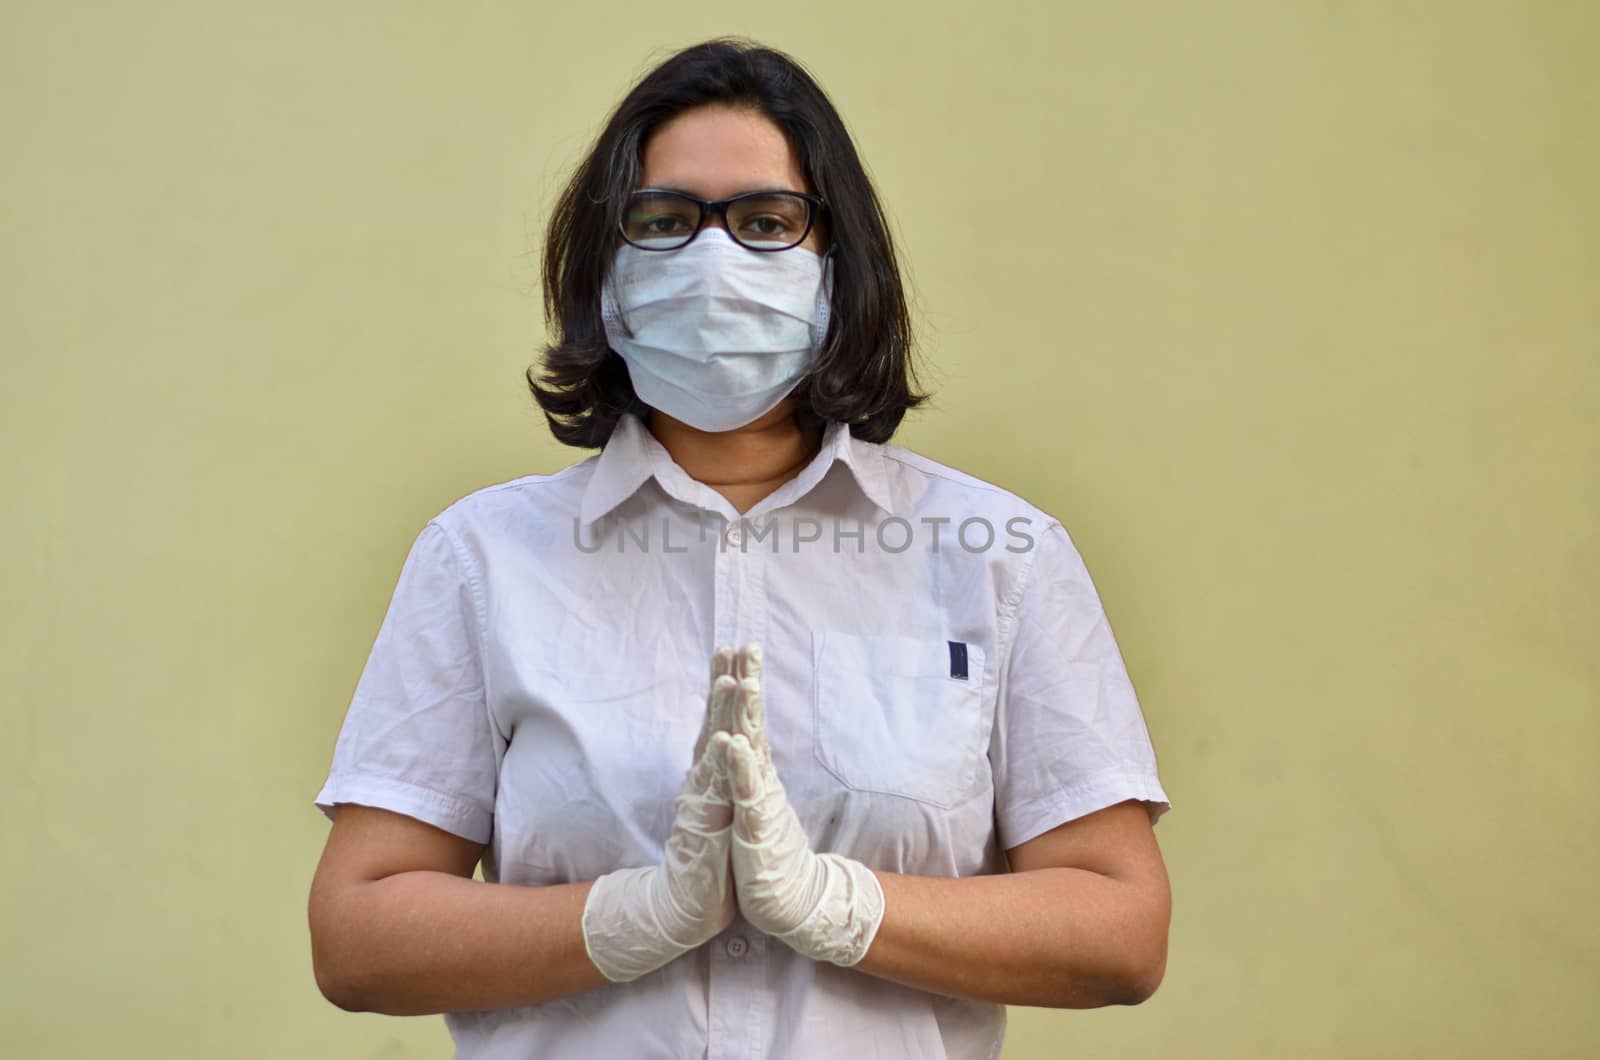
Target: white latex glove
637,919
826,906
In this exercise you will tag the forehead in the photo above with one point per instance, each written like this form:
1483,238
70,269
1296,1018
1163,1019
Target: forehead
717,151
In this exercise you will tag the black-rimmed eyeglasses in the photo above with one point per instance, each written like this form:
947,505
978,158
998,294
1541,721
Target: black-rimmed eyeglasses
757,220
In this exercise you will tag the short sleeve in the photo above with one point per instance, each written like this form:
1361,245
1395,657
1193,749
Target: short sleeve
1070,737
418,738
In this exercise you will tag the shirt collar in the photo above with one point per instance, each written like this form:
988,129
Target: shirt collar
632,455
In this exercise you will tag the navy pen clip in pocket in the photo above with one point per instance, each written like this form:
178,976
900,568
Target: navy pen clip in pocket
958,659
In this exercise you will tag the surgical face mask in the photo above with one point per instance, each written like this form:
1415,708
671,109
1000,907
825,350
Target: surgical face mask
713,334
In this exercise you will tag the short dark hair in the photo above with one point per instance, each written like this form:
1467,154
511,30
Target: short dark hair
863,375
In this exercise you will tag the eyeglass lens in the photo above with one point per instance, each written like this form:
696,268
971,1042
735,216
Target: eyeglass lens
666,221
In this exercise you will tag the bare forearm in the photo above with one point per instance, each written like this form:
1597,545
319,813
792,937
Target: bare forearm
1050,937
421,943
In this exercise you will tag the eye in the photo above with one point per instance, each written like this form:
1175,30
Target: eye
659,216
768,226
661,224
777,218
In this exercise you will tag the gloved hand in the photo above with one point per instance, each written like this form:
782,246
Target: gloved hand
826,906
637,919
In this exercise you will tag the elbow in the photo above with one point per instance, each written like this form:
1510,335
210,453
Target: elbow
1135,979
337,991
334,985
1142,981
1143,977
1127,984
1143,987
331,970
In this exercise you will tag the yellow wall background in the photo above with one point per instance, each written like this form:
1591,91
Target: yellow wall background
1289,310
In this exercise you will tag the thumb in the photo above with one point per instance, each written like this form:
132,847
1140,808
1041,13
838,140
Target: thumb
739,763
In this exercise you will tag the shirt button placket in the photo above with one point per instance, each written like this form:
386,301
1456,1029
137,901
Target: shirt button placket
739,1012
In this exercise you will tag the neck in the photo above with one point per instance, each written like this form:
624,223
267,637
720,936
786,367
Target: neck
744,464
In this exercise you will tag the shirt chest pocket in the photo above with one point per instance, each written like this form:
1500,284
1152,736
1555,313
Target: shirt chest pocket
894,715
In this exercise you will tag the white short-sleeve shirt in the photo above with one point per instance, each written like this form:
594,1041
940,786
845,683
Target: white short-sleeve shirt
941,685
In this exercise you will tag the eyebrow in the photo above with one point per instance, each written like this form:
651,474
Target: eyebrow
695,195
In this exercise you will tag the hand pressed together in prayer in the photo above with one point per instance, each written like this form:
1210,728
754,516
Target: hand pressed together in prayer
826,906
736,845
638,919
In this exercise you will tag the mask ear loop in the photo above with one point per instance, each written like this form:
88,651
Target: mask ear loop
824,305
610,310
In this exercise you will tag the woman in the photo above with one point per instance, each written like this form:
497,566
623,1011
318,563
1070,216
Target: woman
925,678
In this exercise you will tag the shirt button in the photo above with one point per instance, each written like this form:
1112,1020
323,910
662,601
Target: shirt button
738,947
735,535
